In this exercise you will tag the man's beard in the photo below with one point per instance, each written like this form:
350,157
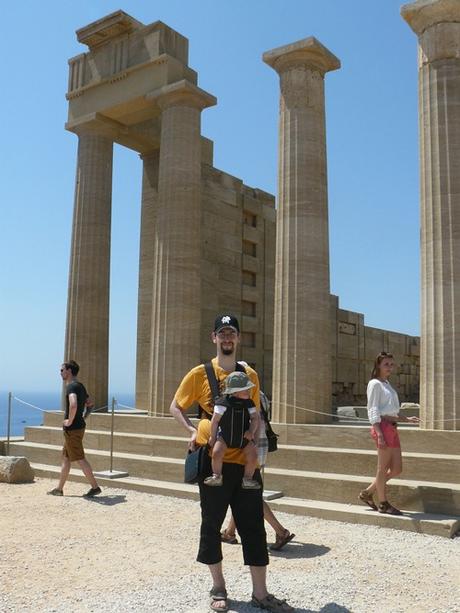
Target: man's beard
228,351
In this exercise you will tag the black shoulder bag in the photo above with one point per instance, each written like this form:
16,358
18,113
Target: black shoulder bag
272,437
196,464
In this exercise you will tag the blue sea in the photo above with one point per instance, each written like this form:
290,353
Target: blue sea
23,415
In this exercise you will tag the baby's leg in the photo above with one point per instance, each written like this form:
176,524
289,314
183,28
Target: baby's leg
218,452
250,454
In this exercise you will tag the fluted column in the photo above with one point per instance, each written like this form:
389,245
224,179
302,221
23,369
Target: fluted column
176,308
302,352
87,330
437,25
146,264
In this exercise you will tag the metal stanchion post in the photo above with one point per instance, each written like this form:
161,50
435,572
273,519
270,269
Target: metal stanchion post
8,427
112,474
111,434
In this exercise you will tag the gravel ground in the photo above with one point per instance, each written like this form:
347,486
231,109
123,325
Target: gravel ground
129,551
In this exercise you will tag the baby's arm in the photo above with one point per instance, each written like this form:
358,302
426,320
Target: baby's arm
214,425
253,424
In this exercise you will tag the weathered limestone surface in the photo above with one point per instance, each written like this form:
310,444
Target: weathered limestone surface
437,25
15,470
237,265
145,297
176,316
87,331
301,357
134,88
354,347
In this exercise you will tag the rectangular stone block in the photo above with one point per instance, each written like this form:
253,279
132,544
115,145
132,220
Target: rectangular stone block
347,346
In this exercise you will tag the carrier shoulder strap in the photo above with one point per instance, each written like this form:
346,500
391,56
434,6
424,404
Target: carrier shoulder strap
212,379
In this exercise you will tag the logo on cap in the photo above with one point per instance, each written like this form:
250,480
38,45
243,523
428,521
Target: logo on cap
226,320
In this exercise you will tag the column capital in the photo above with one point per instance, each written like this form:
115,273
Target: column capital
424,14
182,93
308,53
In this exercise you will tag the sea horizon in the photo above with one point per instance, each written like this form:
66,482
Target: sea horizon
23,415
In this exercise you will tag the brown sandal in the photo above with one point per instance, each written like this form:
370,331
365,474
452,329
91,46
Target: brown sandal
226,537
271,603
281,541
218,595
389,509
367,498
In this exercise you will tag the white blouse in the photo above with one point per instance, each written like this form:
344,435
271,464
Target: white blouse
382,399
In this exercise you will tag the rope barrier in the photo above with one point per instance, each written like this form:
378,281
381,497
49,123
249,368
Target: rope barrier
106,406
29,404
293,406
125,406
33,406
297,408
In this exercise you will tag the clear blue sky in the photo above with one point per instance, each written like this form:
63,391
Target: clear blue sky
372,129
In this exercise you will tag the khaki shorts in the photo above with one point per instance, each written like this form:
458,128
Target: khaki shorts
73,445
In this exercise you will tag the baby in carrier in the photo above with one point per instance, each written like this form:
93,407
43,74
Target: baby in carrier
233,425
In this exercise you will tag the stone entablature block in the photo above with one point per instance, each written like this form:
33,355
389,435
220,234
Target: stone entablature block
138,46
103,30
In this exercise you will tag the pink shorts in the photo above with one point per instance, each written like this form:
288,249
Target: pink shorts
390,434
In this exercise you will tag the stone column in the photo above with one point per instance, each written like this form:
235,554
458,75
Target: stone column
437,25
176,312
146,264
87,330
302,377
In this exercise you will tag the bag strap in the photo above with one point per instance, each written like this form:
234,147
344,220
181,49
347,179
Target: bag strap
268,426
212,379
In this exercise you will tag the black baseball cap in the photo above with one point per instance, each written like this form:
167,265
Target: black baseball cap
226,320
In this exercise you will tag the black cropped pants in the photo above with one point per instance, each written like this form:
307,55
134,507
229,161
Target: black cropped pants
247,510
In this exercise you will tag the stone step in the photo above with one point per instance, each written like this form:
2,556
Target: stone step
424,523
135,424
126,442
419,466
415,495
314,435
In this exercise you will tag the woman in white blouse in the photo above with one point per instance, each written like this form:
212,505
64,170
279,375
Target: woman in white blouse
383,411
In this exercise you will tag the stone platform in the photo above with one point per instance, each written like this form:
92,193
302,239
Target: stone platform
320,468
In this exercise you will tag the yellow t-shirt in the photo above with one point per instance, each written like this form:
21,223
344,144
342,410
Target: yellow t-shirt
195,388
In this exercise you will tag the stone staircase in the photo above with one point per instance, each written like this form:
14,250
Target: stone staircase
319,468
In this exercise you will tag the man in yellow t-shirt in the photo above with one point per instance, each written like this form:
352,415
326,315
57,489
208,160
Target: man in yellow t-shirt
246,505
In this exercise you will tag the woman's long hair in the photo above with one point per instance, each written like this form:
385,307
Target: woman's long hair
378,360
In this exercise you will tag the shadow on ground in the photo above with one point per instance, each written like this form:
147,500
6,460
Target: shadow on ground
301,550
241,606
108,501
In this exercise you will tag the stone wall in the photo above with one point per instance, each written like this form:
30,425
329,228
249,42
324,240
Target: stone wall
354,347
238,248
237,264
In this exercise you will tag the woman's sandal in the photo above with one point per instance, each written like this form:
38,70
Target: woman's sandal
218,595
226,537
367,498
389,509
281,541
270,603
